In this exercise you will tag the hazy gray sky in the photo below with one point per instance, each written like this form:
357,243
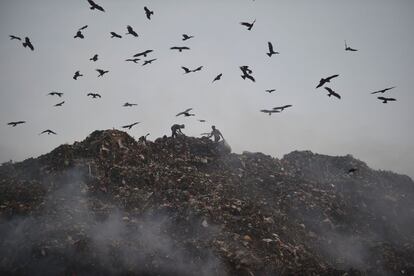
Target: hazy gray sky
308,34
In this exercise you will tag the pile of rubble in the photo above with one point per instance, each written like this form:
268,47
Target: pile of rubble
187,206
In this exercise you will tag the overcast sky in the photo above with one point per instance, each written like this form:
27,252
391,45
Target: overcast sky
308,34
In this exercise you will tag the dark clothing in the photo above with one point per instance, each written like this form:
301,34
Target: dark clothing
175,130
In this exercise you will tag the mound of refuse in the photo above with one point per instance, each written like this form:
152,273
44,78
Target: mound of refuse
112,205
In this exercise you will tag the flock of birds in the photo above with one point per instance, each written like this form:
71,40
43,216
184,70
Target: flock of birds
247,73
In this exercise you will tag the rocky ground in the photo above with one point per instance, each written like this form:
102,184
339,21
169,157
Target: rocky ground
187,206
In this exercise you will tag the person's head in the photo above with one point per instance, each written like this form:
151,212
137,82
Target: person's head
182,126
213,127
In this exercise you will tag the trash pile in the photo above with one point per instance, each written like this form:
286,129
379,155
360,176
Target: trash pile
187,206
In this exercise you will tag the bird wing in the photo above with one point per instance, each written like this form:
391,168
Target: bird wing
331,77
270,47
198,68
247,24
329,90
186,69
83,28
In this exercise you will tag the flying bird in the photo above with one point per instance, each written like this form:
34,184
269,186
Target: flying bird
27,43
148,13
186,113
385,100
180,49
270,111
148,61
101,72
270,90
94,58
77,74
281,108
332,93
250,77
54,93
347,48
14,37
129,104
271,51
245,69
59,104
187,37
131,31
95,6
328,79
79,35
94,95
248,25
114,34
218,77
48,131
13,124
383,90
145,53
134,60
131,125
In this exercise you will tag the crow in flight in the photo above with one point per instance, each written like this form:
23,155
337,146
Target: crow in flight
218,77
134,60
79,34
148,13
14,37
187,37
383,90
77,74
101,72
271,51
95,6
13,124
270,111
27,43
131,31
48,131
94,58
347,48
148,61
129,104
54,93
131,125
270,90
180,49
245,69
328,79
186,113
143,53
385,100
281,108
94,95
332,93
59,104
248,25
114,34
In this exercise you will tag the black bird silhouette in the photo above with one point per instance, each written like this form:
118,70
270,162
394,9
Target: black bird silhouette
270,90
27,43
83,28
94,95
114,34
383,90
101,72
328,79
79,35
187,37
250,77
148,13
218,77
148,61
54,93
270,111
95,6
245,69
186,113
281,108
332,93
13,124
77,74
145,53
59,104
131,125
180,49
197,69
271,51
14,37
131,31
347,48
94,58
134,60
385,100
48,131
248,25
129,104
186,70
352,170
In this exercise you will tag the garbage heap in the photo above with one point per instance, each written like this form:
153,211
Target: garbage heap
111,205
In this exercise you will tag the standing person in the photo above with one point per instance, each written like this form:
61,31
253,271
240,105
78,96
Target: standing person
176,130
216,133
